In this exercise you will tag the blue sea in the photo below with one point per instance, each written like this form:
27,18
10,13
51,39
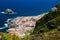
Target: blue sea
24,8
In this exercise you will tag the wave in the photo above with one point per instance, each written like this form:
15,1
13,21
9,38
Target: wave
2,28
5,26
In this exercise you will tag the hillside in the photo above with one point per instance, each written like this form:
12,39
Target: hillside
49,21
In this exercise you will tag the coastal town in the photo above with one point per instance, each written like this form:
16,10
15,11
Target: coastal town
20,25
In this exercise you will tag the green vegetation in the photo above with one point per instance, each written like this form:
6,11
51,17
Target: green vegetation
6,36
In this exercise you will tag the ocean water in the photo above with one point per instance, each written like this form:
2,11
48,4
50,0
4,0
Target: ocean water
24,8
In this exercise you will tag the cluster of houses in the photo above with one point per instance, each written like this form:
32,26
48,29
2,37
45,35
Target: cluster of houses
21,25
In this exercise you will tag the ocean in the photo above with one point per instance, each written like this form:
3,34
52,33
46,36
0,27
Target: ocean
24,8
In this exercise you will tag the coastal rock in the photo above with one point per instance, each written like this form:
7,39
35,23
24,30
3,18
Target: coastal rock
9,11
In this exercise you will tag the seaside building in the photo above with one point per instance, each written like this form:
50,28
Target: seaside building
53,9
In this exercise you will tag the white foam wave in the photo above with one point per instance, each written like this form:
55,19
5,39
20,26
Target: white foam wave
2,28
5,26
